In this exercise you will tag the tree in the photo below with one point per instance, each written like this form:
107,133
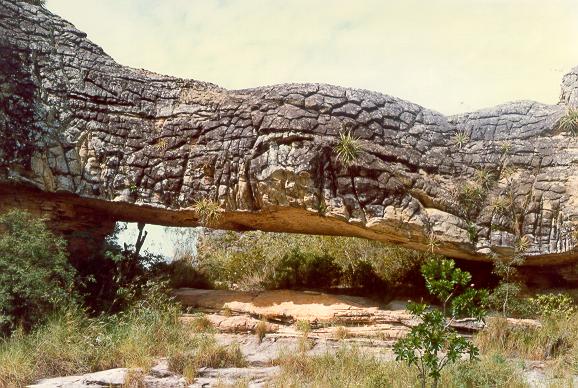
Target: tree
433,343
35,275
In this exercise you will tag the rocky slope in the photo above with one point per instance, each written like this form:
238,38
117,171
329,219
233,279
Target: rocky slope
87,141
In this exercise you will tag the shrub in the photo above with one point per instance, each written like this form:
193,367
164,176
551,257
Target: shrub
554,305
180,273
35,276
257,260
298,270
506,296
510,294
432,344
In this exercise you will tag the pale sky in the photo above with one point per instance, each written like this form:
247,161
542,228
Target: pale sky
449,55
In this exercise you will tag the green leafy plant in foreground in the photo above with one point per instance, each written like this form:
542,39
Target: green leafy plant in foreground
433,343
35,275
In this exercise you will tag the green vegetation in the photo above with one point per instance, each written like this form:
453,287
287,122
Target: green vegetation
506,295
553,305
460,139
350,367
432,344
35,276
471,196
258,260
569,122
347,148
206,353
208,211
114,310
484,178
71,342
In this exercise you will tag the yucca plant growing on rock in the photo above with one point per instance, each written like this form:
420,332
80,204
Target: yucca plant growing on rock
460,139
347,148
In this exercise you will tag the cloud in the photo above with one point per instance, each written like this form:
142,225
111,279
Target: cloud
449,55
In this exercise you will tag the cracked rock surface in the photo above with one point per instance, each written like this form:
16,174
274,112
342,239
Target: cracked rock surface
87,141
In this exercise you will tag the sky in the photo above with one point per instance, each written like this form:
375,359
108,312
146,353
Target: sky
449,55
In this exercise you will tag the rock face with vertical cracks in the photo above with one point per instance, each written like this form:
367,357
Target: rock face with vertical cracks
87,141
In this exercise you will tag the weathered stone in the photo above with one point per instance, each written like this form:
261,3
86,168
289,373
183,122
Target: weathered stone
87,142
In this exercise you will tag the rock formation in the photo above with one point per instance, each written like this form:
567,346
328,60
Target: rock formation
87,141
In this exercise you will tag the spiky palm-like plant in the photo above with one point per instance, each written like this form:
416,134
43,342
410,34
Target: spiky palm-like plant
460,139
484,177
347,148
208,211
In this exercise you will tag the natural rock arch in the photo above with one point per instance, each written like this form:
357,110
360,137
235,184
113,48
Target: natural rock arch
88,142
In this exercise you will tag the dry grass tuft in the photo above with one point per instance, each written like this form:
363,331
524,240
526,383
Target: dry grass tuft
206,354
341,332
261,330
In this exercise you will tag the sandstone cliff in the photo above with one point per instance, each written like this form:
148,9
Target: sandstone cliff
88,141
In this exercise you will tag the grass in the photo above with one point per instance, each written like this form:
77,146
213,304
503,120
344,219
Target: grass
207,353
347,148
341,332
72,343
569,122
350,367
555,341
484,177
261,330
201,324
501,205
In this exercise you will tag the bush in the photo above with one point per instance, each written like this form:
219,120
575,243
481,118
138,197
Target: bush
305,270
258,260
113,278
35,276
553,305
